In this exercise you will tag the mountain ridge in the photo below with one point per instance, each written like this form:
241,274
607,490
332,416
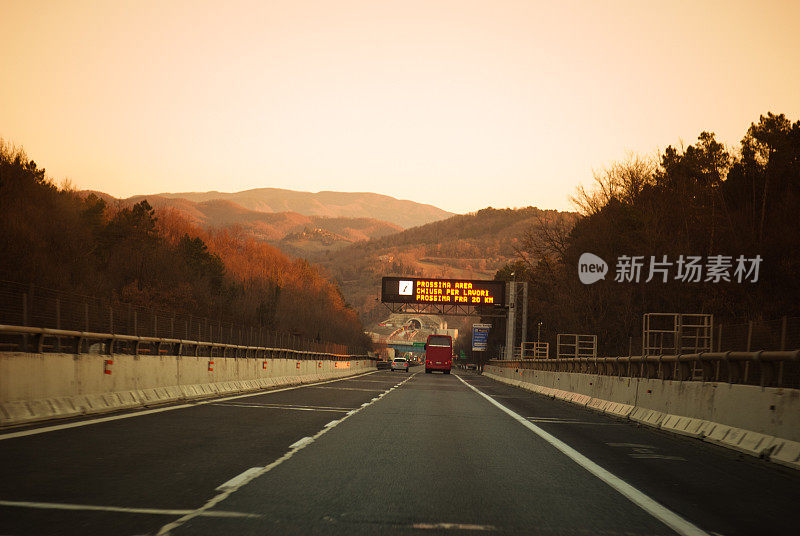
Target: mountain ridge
402,212
290,231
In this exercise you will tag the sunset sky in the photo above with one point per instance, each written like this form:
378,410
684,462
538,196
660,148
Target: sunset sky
459,104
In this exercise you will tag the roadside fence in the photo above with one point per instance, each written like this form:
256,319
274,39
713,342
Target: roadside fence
45,320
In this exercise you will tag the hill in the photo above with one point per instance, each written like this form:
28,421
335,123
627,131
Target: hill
473,246
127,253
294,233
329,204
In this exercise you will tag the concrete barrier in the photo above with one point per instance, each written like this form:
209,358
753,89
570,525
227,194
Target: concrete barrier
759,421
619,410
785,452
36,387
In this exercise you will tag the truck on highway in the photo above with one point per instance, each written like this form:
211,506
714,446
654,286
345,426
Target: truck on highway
439,353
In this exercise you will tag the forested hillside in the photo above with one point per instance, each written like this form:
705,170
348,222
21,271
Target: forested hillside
53,237
703,200
470,246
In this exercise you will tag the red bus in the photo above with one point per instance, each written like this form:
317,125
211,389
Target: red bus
439,353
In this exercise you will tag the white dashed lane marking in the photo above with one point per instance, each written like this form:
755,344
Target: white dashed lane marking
234,484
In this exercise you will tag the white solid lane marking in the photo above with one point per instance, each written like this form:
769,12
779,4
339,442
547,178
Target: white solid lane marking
655,509
332,423
239,479
293,449
35,431
147,511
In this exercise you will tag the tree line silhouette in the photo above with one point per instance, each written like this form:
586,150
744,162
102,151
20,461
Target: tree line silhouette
53,237
702,200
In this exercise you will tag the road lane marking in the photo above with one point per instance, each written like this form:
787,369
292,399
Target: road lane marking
94,508
281,405
239,479
294,408
645,452
300,443
294,448
351,389
569,421
452,526
650,456
65,426
383,382
655,509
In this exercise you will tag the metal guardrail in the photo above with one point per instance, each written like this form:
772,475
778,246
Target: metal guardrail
765,368
33,306
41,340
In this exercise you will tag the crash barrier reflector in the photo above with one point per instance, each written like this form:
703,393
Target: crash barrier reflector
107,367
211,366
264,365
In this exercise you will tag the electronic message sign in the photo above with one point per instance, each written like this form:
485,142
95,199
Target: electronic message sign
442,291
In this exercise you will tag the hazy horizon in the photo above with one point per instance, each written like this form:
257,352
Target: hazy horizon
452,104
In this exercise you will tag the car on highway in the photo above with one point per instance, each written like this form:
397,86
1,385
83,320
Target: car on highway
399,363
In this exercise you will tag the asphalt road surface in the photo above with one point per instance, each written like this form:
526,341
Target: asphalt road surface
382,453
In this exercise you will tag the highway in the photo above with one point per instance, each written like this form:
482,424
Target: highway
382,453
